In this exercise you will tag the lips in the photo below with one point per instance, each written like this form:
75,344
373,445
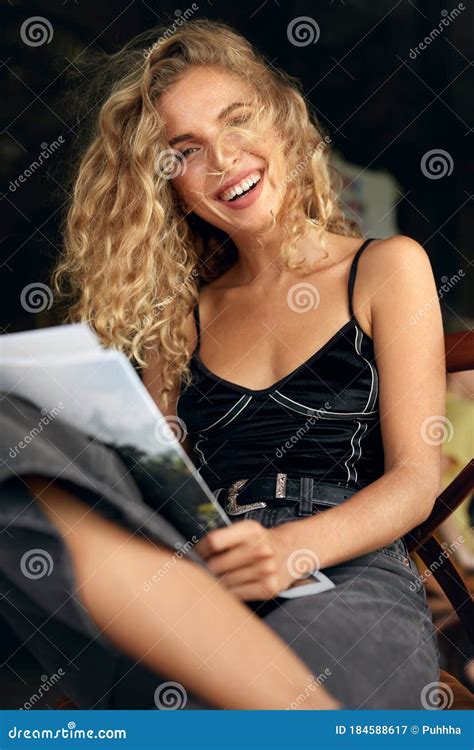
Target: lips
235,181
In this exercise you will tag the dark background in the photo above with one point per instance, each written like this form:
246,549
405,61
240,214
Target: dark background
383,110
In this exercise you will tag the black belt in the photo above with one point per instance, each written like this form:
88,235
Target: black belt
279,489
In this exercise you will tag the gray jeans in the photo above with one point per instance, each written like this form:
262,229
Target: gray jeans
371,639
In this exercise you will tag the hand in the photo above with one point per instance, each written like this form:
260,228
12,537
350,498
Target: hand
250,560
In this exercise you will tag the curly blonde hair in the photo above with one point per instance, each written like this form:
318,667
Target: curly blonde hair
134,260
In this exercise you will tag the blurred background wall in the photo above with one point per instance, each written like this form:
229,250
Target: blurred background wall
391,81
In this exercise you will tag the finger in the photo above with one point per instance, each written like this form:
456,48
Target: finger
235,558
249,574
219,540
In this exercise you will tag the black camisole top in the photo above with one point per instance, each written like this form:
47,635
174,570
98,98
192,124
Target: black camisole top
321,420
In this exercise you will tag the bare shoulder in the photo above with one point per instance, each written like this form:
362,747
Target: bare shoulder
394,266
403,291
392,255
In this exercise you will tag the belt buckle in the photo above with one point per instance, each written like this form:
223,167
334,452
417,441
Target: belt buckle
231,506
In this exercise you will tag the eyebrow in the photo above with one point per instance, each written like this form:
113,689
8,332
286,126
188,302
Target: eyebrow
222,114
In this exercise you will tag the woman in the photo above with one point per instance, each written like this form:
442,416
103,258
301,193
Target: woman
205,240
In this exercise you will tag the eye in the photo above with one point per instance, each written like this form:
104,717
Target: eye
235,121
187,150
239,120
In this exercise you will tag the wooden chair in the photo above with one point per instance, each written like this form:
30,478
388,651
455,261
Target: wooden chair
459,349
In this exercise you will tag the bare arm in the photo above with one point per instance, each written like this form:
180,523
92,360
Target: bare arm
409,349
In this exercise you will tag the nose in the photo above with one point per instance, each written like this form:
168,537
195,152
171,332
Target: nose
223,155
220,167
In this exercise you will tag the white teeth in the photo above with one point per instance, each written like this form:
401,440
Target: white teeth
241,187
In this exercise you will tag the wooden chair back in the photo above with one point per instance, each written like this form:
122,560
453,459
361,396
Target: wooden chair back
459,348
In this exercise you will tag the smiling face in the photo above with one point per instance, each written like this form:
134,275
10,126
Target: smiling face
196,109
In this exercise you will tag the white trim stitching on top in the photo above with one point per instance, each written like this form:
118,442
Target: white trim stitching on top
374,383
233,408
230,412
198,450
322,412
346,462
370,402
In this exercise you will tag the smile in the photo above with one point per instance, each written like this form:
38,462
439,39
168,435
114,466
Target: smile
245,192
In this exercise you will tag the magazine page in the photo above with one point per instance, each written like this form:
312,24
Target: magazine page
100,393
70,338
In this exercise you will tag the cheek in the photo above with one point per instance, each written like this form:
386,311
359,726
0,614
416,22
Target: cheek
189,187
275,156
181,192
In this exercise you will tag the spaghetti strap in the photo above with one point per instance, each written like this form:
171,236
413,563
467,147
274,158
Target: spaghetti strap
198,324
353,271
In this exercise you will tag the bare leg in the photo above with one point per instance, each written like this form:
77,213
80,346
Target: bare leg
187,626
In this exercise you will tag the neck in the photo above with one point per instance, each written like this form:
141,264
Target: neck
256,261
